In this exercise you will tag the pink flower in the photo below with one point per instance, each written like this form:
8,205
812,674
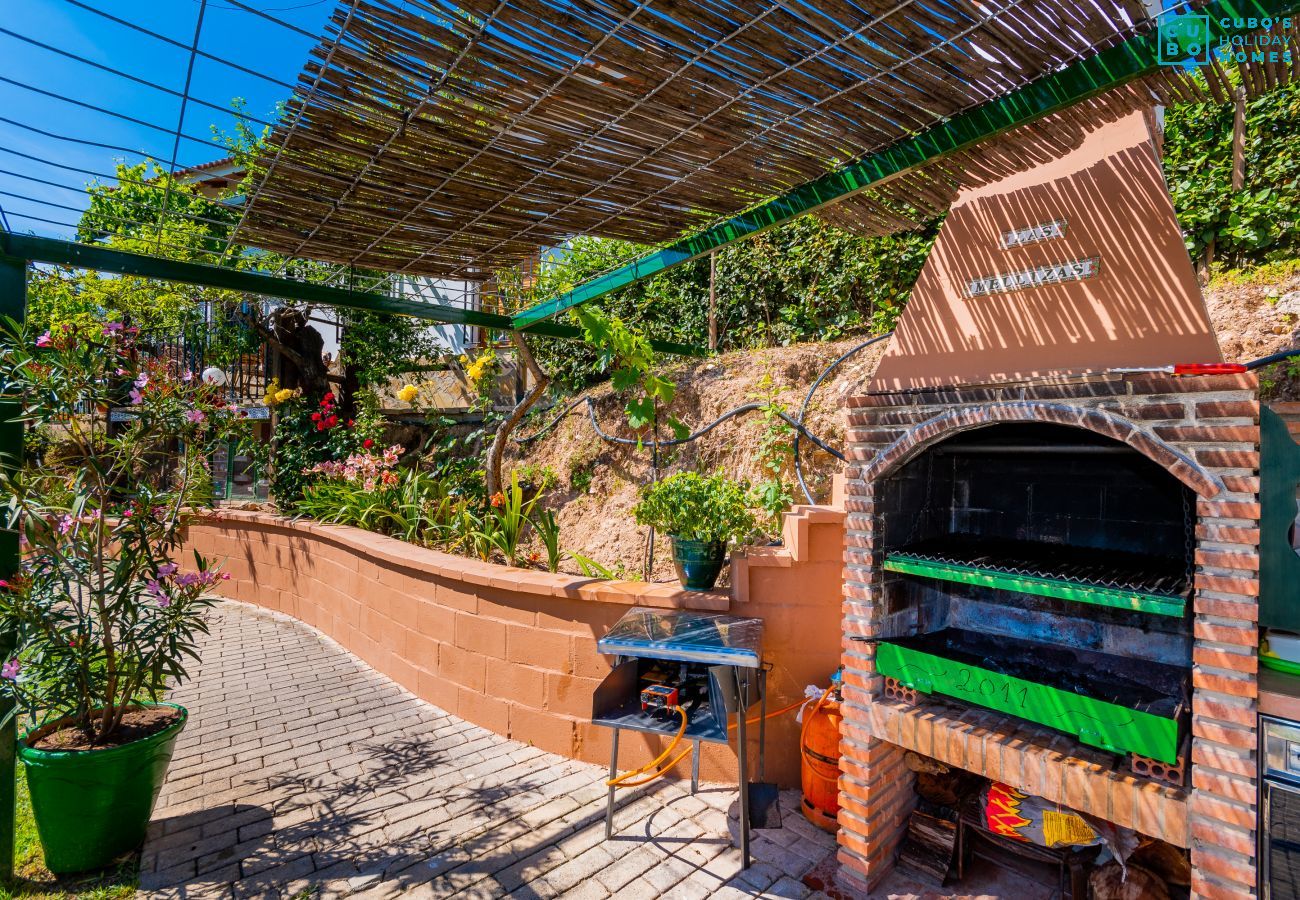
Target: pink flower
187,377
156,590
142,381
195,416
166,570
44,340
113,327
11,669
120,372
188,579
65,523
225,576
136,397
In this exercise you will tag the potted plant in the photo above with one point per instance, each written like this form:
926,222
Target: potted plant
101,614
702,514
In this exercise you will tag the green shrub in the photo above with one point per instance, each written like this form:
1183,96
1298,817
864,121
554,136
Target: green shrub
697,507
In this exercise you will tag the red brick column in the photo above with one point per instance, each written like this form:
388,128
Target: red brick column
1204,431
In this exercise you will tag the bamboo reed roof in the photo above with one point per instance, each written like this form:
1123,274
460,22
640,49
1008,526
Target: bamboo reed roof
443,138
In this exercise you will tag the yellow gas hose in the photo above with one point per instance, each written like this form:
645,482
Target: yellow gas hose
622,780
772,715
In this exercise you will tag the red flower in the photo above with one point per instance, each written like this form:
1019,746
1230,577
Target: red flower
331,421
498,499
328,398
320,426
367,443
351,422
315,417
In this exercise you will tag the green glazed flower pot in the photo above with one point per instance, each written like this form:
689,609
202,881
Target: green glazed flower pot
91,806
699,563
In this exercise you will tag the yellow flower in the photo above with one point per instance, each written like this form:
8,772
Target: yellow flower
284,394
408,393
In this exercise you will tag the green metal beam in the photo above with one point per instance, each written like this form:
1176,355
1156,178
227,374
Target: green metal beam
1134,58
1135,601
103,259
1095,722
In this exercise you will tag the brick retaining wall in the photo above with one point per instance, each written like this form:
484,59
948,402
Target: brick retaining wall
514,650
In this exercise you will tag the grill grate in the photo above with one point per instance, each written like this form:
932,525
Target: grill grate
1086,567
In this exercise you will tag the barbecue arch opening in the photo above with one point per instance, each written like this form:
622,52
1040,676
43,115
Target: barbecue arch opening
1045,571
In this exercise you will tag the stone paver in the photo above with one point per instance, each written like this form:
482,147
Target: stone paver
304,773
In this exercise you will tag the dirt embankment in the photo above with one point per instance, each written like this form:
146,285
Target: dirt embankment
598,481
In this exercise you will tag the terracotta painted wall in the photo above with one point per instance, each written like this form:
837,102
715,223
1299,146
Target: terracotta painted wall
515,650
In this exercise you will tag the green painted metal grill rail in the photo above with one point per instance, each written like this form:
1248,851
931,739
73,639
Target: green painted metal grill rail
1098,723
1043,587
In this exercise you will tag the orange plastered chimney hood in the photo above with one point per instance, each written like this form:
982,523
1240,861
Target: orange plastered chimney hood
1073,267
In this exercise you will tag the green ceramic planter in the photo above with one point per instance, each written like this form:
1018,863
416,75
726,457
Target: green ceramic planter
91,806
699,563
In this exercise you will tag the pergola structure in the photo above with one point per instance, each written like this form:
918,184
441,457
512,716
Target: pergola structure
450,138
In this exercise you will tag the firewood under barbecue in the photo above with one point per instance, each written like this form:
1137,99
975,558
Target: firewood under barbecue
1110,882
929,849
1165,860
918,763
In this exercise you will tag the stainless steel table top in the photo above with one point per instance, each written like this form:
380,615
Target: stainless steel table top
686,636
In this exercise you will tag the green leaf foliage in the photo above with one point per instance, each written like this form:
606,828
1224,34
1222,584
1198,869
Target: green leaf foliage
1257,223
802,281
697,507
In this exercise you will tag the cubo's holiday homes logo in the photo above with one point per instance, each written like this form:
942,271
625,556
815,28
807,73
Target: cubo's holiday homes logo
1184,40
1192,40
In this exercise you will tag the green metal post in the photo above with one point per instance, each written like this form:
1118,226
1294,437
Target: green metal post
13,304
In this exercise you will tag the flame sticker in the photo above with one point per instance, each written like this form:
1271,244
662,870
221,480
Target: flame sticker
1002,811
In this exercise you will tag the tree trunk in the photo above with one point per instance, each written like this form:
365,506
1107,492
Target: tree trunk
497,450
302,348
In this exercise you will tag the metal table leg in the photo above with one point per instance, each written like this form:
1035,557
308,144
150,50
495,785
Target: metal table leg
695,769
609,801
742,752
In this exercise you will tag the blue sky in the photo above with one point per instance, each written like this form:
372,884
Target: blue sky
228,32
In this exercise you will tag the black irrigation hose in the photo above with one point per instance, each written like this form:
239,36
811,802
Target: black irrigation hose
674,442
1274,358
803,411
800,431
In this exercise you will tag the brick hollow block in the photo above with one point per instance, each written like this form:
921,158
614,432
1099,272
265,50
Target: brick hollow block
492,713
479,635
517,683
466,668
569,695
537,647
548,732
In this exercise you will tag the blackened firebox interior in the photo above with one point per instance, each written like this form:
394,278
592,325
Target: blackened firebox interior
1087,516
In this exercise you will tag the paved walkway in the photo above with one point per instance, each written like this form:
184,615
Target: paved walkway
304,773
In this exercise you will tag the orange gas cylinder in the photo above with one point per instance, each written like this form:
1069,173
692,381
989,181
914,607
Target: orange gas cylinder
820,748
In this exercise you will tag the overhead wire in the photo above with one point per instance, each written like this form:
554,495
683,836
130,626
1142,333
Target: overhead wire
175,43
207,142
77,57
180,122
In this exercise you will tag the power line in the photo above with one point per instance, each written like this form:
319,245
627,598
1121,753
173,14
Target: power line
126,23
180,121
84,190
100,109
76,57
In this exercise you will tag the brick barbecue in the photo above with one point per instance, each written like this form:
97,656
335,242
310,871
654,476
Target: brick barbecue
1156,471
